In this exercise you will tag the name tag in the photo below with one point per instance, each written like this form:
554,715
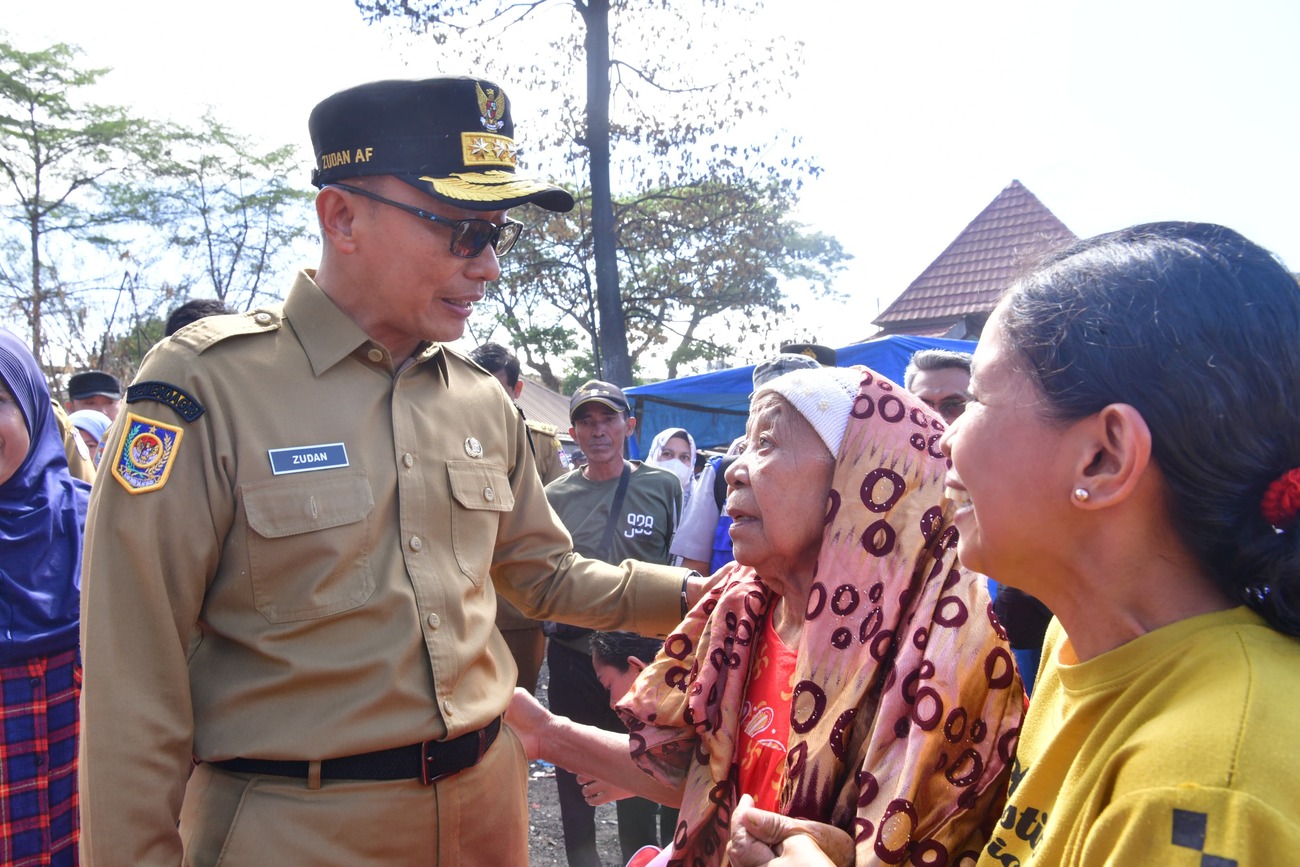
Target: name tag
304,459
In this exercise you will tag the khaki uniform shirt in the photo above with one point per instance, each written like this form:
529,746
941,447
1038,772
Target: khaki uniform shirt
81,464
547,451
342,605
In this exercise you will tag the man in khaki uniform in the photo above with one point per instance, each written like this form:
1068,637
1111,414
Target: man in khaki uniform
551,460
306,514
80,463
523,635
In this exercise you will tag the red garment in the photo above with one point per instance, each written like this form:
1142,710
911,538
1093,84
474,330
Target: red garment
38,761
765,720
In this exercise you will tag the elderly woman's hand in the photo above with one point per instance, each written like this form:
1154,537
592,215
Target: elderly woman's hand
762,838
528,719
596,792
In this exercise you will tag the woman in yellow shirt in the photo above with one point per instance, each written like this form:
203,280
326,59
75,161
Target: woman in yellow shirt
1132,458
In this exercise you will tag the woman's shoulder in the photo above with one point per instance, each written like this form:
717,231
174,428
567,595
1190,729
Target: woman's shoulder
1220,713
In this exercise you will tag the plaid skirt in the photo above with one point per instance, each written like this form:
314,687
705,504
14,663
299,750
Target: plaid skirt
39,824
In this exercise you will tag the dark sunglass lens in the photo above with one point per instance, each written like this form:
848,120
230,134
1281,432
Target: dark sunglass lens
506,237
471,237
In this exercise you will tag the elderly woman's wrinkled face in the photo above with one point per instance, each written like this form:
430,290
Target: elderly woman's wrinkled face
779,489
14,439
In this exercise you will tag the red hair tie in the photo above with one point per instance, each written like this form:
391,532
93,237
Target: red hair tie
1281,503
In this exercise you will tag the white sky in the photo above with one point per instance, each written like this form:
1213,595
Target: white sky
1112,112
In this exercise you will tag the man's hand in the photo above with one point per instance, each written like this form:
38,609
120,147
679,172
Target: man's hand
762,838
529,720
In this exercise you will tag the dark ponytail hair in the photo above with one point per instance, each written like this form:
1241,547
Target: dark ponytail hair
1199,330
613,648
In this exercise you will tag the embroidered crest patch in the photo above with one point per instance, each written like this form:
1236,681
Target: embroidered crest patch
491,106
144,457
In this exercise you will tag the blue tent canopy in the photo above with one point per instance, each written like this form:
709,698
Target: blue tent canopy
713,406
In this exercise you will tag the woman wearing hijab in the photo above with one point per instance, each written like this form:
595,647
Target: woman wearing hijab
42,514
674,450
846,672
1132,458
91,425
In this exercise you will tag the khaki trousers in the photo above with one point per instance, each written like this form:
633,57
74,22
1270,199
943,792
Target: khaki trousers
477,817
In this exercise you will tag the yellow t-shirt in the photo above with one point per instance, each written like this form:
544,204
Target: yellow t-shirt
1176,748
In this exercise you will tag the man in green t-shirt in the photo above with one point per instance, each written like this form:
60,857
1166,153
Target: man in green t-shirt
614,509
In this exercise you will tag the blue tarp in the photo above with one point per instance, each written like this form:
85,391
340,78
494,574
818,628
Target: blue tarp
713,406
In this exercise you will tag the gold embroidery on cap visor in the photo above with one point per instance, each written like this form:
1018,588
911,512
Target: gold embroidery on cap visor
485,186
485,149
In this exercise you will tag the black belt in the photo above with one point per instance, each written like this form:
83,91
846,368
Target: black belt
430,760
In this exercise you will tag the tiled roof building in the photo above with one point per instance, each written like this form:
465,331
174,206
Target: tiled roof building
539,403
955,294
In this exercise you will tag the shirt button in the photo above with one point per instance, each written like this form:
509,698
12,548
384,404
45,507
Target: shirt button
416,544
408,460
375,355
434,622
262,318
446,707
489,494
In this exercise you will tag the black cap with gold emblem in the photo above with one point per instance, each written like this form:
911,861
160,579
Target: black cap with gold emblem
594,391
452,138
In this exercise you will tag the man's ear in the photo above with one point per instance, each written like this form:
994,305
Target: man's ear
573,435
519,388
1117,451
636,664
631,425
336,214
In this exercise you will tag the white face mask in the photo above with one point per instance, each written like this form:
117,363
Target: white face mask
677,468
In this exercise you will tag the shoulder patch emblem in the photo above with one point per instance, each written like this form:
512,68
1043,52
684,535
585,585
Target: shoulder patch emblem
145,452
167,394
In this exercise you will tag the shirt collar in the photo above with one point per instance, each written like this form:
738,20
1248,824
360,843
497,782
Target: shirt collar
328,335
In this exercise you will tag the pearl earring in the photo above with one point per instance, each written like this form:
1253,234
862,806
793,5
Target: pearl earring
1081,495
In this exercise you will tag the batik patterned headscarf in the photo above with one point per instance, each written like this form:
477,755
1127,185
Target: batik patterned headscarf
906,706
42,514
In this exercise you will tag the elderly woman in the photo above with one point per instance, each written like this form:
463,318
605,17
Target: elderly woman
42,513
1132,457
847,671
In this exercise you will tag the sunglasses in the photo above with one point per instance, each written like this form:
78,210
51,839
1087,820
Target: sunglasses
468,237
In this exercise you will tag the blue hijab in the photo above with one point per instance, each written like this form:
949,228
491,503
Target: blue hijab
42,515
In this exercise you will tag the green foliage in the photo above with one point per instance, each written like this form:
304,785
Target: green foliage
622,117
704,258
57,157
226,208
142,213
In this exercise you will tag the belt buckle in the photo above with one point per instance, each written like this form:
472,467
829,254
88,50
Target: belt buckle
428,778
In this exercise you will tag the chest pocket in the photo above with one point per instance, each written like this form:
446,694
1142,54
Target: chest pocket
309,544
481,492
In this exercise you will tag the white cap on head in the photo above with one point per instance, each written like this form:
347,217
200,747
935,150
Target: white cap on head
823,396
